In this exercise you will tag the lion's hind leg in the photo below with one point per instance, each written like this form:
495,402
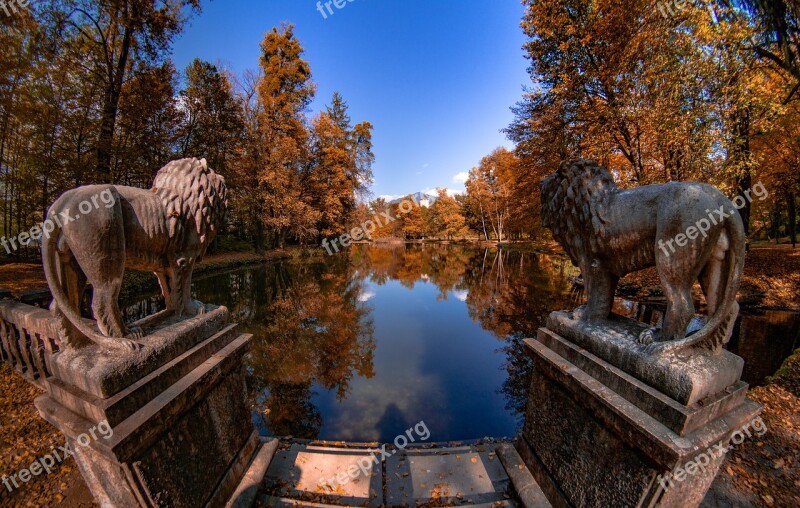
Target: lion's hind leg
73,283
713,280
102,257
677,278
712,277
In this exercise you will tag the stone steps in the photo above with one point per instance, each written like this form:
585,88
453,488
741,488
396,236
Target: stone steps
321,474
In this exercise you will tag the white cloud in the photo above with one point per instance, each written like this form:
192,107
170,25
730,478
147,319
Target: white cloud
461,177
450,192
461,294
366,295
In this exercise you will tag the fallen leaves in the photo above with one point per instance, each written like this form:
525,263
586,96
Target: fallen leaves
24,437
766,470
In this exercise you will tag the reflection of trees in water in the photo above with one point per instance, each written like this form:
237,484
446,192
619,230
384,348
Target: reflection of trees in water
314,330
310,327
509,293
511,296
290,412
443,265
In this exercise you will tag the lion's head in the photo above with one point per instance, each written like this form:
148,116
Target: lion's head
193,196
573,199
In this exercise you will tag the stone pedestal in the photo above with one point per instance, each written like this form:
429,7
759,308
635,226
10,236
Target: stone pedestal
595,435
182,431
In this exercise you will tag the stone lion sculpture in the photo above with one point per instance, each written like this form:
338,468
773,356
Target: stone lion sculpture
608,232
164,230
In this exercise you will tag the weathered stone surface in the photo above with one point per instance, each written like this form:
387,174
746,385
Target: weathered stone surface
184,465
597,448
528,490
123,404
165,230
469,475
322,474
107,479
182,434
103,373
609,232
247,491
683,394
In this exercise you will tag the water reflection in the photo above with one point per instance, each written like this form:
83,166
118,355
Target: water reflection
362,346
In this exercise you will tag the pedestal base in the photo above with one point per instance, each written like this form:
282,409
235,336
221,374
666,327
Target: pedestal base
182,431
596,436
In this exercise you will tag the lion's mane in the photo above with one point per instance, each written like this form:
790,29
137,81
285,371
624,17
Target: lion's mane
573,203
193,195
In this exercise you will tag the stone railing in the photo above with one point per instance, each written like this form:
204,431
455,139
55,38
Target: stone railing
28,340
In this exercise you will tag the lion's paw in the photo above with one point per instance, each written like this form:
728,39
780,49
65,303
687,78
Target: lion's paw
135,333
119,344
579,313
656,349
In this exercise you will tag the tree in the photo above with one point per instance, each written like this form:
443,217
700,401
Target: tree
446,217
341,158
212,116
778,40
490,190
285,91
120,35
148,119
654,98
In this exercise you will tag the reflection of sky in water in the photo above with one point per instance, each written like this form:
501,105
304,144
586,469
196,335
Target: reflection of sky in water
432,363
465,376
461,294
366,295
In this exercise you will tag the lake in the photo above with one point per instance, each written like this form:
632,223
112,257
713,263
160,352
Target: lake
363,345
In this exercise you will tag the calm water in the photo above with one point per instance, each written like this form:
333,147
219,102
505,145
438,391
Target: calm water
363,345
359,347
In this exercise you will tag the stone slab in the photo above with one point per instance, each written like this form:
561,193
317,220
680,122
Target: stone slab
312,475
236,470
653,438
246,493
102,373
687,377
145,426
123,404
450,476
525,486
679,418
276,502
599,449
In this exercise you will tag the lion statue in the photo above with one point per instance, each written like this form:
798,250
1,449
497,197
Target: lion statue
164,230
688,231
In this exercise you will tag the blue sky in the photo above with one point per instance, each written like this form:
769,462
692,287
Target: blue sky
435,77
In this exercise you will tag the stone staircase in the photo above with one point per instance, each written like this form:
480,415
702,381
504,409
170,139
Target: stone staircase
318,474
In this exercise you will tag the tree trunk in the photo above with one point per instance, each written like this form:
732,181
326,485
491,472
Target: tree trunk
741,155
282,238
108,120
776,222
791,206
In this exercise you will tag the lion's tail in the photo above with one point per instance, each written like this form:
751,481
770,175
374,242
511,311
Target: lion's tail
61,300
714,334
